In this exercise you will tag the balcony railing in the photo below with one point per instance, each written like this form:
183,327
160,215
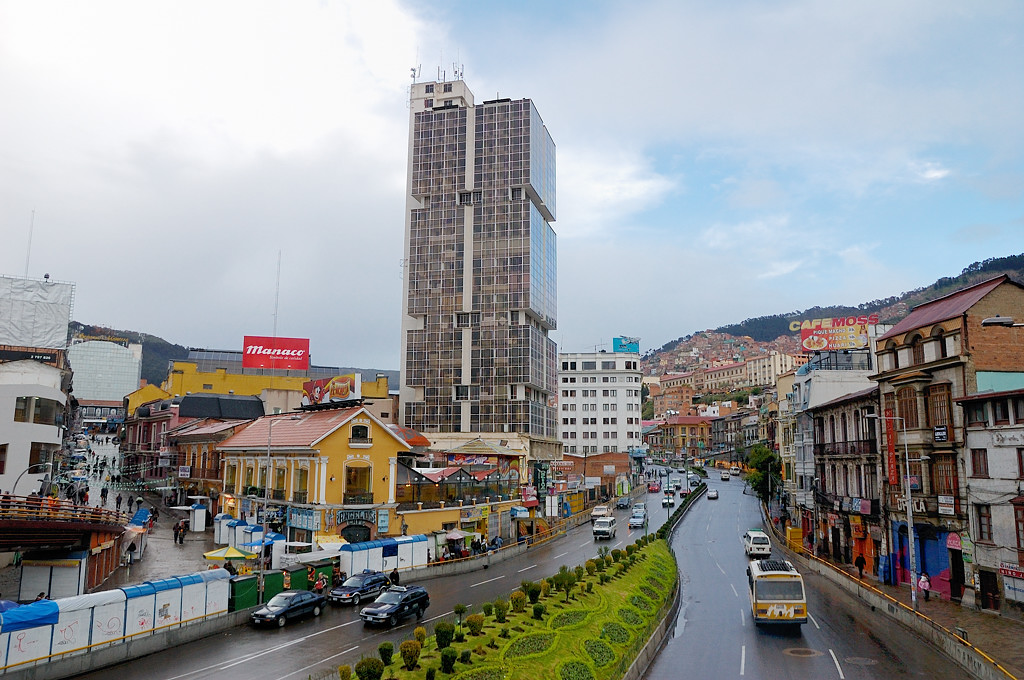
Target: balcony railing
358,499
360,441
277,494
300,496
862,447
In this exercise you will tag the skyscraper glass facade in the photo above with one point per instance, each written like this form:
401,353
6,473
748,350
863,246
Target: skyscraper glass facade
480,267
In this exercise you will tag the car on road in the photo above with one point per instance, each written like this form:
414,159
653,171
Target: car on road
288,605
600,511
638,520
713,494
653,487
622,503
359,587
396,603
668,502
757,544
725,475
604,528
640,505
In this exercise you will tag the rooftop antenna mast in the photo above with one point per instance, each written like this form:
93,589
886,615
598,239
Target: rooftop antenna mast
277,291
28,253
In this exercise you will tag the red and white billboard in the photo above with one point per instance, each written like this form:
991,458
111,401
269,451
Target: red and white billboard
291,354
326,390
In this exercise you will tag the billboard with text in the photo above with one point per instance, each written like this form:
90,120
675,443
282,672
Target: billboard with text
289,354
327,390
835,333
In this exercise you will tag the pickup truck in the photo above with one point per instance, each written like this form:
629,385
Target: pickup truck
598,512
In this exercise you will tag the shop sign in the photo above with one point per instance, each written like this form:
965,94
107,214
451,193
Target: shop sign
349,516
299,518
875,532
1011,569
817,335
940,434
561,465
383,520
529,493
327,390
890,447
184,471
967,548
485,512
952,539
1013,588
919,505
865,506
471,514
947,505
609,469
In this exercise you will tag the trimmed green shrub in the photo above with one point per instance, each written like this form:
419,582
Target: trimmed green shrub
579,571
386,651
345,672
443,634
608,561
630,549
466,657
530,644
518,601
475,622
459,610
545,588
431,673
503,633
591,567
616,555
534,592
590,586
420,633
460,636
410,651
538,611
448,657
599,651
501,610
575,670
370,669
488,608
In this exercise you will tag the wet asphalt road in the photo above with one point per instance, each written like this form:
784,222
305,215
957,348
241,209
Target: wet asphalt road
713,636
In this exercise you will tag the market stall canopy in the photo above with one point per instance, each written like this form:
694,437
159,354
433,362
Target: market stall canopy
229,553
456,535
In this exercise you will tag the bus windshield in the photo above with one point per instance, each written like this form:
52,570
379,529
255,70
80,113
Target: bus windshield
779,590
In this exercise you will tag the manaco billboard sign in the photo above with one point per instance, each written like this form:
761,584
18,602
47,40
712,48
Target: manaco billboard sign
291,354
847,332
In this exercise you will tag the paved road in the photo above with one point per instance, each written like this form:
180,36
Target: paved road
714,634
339,637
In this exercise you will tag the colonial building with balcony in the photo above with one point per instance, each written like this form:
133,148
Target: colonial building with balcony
848,467
941,351
995,498
686,437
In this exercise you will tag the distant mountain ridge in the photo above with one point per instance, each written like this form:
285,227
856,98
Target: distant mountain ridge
157,354
890,309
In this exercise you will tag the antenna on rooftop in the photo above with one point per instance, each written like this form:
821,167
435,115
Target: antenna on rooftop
28,252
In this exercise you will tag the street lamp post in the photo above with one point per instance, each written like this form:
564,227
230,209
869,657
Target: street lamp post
266,504
14,489
910,504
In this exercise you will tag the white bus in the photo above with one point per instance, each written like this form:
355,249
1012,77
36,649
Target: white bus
776,593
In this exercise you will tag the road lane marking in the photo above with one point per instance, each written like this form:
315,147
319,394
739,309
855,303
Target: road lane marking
813,621
743,617
617,544
743,659
720,567
836,661
350,649
264,652
526,568
734,590
564,554
584,545
487,581
438,616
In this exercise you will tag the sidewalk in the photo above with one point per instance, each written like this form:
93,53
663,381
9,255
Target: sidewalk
998,636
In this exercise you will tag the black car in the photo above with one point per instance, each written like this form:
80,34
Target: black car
395,604
288,605
623,503
363,586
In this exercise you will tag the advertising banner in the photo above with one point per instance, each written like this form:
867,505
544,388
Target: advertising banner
327,390
631,345
290,354
890,448
820,335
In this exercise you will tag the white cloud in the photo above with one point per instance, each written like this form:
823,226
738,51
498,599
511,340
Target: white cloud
597,191
929,171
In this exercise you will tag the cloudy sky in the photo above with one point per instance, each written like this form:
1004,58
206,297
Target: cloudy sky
716,161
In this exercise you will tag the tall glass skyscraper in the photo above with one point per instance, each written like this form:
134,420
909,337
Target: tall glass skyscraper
479,294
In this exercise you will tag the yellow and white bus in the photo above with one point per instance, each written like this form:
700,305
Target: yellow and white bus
776,593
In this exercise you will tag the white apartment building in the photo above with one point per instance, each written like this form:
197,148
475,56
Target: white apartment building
764,370
599,401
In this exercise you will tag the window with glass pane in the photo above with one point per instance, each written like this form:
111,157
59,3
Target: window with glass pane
917,350
944,478
979,462
1001,411
984,513
907,399
939,405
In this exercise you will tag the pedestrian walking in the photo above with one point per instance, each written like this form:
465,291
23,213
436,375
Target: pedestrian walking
138,503
103,496
925,585
177,532
117,503
394,577
859,563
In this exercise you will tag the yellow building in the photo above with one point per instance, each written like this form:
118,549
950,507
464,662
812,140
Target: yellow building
319,472
144,395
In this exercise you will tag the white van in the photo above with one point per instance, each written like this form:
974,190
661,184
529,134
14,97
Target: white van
734,471
757,544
